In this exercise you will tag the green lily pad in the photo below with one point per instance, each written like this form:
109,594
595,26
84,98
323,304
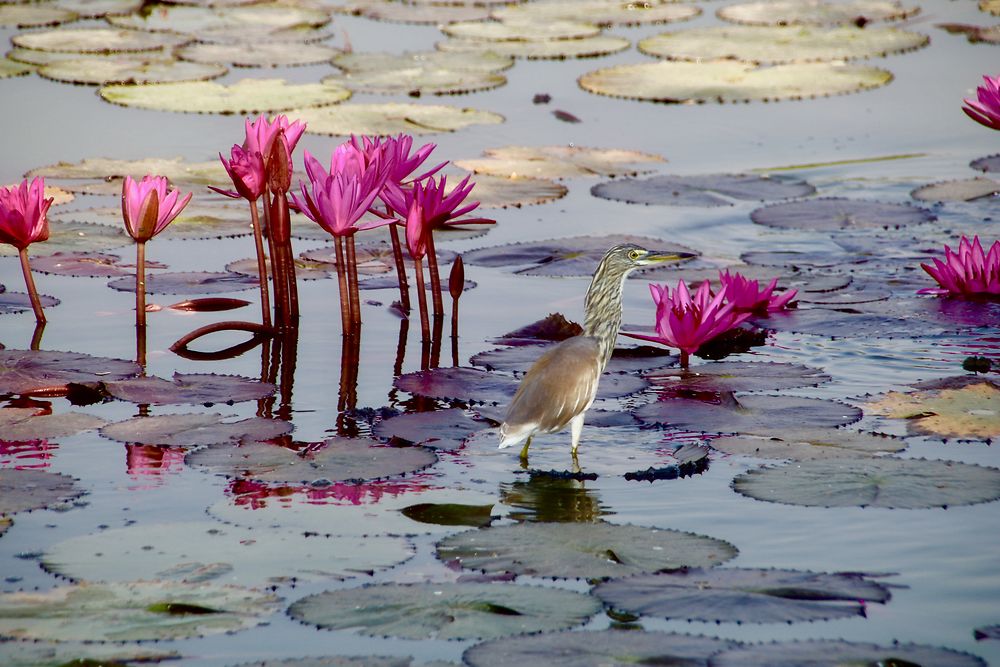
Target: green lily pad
71,236
417,80
339,459
206,551
824,653
969,189
600,12
404,12
25,490
885,482
358,61
198,220
203,22
581,550
263,54
741,595
725,376
9,68
969,411
191,430
837,213
808,444
38,654
557,162
133,611
501,192
520,31
781,44
598,648
22,424
246,96
96,40
205,388
752,414
34,16
709,190
728,81
438,429
30,371
128,70
445,610
188,282
815,12
392,118
305,269
552,49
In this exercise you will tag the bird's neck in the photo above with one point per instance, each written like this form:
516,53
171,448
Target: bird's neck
603,309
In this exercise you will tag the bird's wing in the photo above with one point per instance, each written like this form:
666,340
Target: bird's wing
560,385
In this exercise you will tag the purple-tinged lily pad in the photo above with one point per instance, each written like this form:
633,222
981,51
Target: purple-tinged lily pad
796,260
205,388
848,324
18,424
989,164
19,302
336,460
987,632
557,162
391,282
191,430
438,429
81,264
581,550
305,269
25,490
740,595
846,297
969,189
883,482
32,372
188,282
831,653
837,213
753,414
371,259
598,648
726,376
808,444
708,190
335,660
623,359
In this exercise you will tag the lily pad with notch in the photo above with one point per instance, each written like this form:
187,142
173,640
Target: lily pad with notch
708,190
728,376
26,490
808,444
837,213
194,388
18,424
558,162
391,118
192,430
245,96
438,429
751,414
189,282
49,371
823,652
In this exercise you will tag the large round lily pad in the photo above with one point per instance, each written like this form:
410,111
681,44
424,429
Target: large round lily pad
206,551
133,611
358,61
338,459
204,21
34,16
751,414
189,282
969,189
438,429
246,96
17,424
885,482
179,172
521,31
501,192
836,213
600,12
807,444
816,12
549,49
445,610
581,550
405,12
74,237
100,8
831,653
39,654
722,376
20,302
263,54
96,40
417,80
205,388
519,359
82,264
129,71
392,118
600,648
198,220
967,410
738,595
708,190
728,81
9,68
190,430
30,371
558,162
22,490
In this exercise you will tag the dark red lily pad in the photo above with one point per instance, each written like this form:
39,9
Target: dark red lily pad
19,302
82,264
823,653
737,376
209,304
741,595
205,388
753,414
188,282
704,190
837,213
439,429
29,371
191,430
623,359
24,490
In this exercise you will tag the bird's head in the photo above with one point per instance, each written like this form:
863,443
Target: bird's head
628,256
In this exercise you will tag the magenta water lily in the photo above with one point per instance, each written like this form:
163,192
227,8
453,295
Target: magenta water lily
747,296
23,221
985,110
968,272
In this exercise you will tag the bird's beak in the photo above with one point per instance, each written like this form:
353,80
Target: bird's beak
657,257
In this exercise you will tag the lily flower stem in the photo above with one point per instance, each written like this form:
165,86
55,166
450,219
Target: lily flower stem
279,296
140,284
36,336
685,358
140,348
293,286
345,297
425,330
397,253
258,238
352,283
29,282
436,339
432,268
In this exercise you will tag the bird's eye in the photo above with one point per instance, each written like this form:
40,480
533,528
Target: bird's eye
634,254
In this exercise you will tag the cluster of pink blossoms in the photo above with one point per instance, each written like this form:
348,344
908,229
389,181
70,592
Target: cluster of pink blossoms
969,272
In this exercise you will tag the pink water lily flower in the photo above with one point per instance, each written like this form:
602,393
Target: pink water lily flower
985,110
23,213
148,207
404,163
260,135
966,272
246,169
437,208
747,296
337,200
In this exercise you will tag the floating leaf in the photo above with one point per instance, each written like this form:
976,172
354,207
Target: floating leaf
558,162
22,424
836,213
81,264
439,429
188,282
357,61
128,70
623,359
723,376
969,189
192,430
134,611
581,550
246,96
81,654
597,649
708,190
34,16
815,12
781,44
553,49
198,220
392,118
520,31
808,444
206,551
884,482
336,660
847,297
205,388
450,514
389,10
204,21
829,322
371,259
25,490
445,610
96,40
752,414
178,171
743,595
727,81
9,68
830,652
263,54
19,302
339,459
970,411
416,80
29,371
501,192
100,8
988,164
600,12
74,237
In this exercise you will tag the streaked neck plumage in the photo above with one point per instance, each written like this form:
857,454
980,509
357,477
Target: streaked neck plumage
603,306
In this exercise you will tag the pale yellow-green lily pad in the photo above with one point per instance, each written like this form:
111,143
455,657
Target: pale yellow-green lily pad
502,192
558,162
392,118
968,189
96,40
728,81
263,54
52,654
417,80
246,96
520,31
600,12
34,15
9,68
357,61
112,171
58,195
136,611
815,12
74,237
970,411
990,6
552,49
407,12
35,57
203,218
129,70
91,9
203,21
781,44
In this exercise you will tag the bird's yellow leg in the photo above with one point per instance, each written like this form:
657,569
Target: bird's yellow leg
524,450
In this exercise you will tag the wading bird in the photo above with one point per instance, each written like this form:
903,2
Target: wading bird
560,386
